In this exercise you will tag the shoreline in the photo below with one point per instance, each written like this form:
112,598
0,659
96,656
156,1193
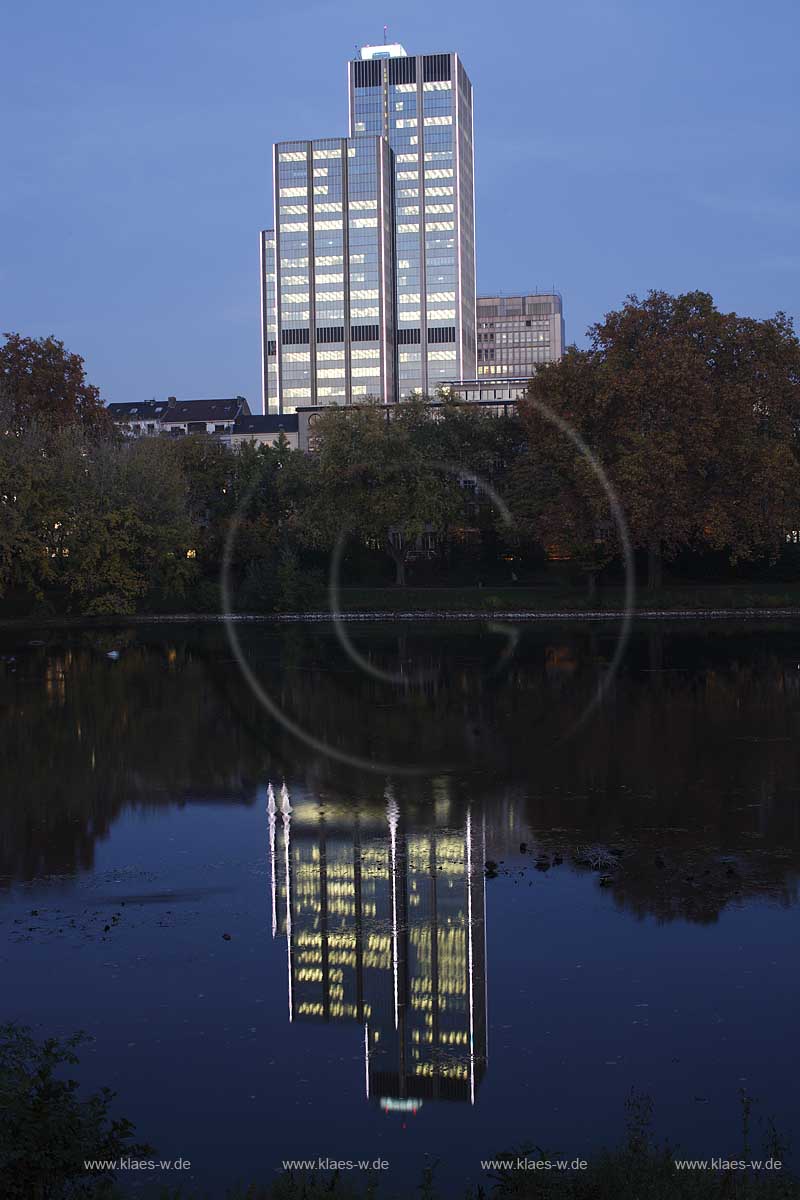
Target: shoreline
387,616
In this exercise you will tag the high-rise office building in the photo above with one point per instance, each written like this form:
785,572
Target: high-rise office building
423,105
517,333
368,274
327,271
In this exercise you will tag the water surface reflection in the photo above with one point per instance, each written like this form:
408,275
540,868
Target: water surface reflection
385,926
217,902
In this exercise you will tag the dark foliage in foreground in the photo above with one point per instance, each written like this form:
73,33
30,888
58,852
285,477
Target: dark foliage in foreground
47,1131
640,1169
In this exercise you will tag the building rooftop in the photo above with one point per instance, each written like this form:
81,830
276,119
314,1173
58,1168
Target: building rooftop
390,50
529,303
494,296
178,411
485,381
204,410
271,423
138,410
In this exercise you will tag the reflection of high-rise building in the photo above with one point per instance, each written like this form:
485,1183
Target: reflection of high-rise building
385,927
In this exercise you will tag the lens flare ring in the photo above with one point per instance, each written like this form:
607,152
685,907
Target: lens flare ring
513,632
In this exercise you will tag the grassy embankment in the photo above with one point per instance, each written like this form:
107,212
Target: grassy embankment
745,598
671,598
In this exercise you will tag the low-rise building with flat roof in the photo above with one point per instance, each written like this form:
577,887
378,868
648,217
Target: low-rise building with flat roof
476,391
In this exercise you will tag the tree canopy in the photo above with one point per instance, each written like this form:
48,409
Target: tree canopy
693,413
43,382
688,415
394,477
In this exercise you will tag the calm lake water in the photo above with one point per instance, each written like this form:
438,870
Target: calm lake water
283,954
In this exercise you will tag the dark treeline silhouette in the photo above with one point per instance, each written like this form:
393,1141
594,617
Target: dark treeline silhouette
689,416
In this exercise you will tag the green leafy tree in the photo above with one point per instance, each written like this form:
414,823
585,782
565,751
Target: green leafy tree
92,524
206,465
380,478
267,492
28,508
481,447
127,531
472,438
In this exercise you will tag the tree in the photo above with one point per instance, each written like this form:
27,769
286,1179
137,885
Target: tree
127,531
380,478
693,413
92,523
45,384
553,491
469,437
250,511
27,509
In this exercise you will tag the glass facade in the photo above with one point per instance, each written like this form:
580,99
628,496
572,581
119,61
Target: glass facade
423,105
327,275
368,275
269,323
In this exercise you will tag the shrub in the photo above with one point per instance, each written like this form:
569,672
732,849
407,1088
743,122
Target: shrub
47,1131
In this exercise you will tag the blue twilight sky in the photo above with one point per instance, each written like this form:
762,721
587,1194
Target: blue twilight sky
619,146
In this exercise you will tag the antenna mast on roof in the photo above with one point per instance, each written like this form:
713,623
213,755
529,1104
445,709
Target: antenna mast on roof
385,34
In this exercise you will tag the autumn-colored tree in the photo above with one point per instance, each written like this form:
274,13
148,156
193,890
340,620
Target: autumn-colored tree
45,384
553,488
693,414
